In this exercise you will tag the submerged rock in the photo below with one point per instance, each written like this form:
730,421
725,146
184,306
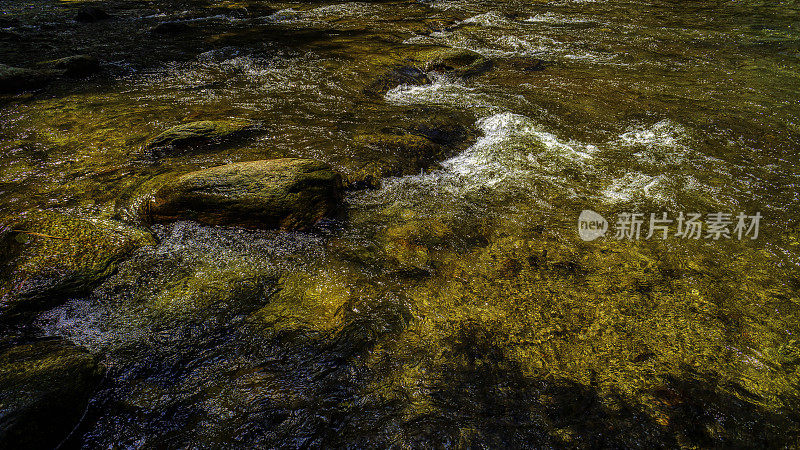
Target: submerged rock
426,138
171,28
14,79
201,132
90,14
397,76
393,155
49,255
74,66
283,193
45,388
456,61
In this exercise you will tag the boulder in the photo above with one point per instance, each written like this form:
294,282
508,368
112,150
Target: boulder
171,28
46,256
203,132
287,193
45,388
397,76
425,138
392,155
74,66
455,61
90,14
15,79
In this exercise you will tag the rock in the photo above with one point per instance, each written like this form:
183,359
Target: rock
396,76
426,138
455,61
90,14
199,133
171,28
283,193
74,66
47,256
45,388
392,155
534,65
14,79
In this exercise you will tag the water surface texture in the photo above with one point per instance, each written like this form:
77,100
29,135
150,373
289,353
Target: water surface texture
456,307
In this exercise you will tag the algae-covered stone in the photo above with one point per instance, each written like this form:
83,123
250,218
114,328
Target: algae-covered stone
44,390
14,79
287,193
397,76
392,155
456,61
425,139
91,14
74,66
201,132
46,256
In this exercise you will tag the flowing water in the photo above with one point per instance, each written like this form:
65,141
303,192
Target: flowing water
456,307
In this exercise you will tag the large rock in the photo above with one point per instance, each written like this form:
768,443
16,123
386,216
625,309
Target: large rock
91,14
74,66
199,133
425,138
397,76
15,79
283,193
45,388
46,256
455,61
392,155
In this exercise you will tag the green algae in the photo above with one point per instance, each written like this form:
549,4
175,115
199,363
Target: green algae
49,255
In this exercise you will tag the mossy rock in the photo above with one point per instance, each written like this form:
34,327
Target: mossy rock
455,61
204,132
15,79
213,291
45,388
397,76
425,139
46,256
74,66
392,155
287,193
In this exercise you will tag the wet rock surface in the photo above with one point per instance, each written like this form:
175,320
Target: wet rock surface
15,79
44,391
74,66
47,256
198,134
281,193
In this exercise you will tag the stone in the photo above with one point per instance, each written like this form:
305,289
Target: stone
45,388
15,79
397,76
199,133
74,66
287,193
456,61
46,256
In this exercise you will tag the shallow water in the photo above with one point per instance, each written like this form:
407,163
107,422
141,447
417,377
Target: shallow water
457,307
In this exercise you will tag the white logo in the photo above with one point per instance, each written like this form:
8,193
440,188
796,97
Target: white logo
591,225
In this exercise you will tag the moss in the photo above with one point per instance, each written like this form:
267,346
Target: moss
287,193
49,255
201,132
